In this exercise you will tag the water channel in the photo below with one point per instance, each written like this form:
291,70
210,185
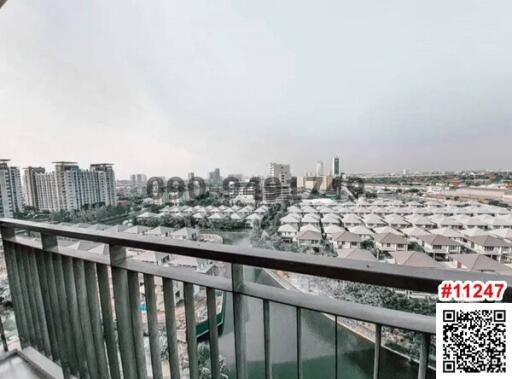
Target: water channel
355,353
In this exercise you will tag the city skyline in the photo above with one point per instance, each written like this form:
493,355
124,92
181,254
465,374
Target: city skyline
271,91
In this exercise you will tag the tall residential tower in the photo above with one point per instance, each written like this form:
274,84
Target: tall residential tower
11,194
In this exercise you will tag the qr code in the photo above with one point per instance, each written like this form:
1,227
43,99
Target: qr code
473,340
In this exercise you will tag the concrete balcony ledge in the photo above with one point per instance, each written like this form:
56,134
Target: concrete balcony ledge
28,364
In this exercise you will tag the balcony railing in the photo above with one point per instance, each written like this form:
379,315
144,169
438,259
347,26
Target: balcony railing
63,301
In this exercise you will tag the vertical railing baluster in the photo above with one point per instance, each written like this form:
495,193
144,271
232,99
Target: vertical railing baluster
239,309
2,336
170,325
63,307
108,320
45,337
335,347
122,311
424,353
29,282
138,338
25,297
266,339
190,318
376,355
91,285
14,285
74,314
48,242
43,280
152,316
300,373
85,319
211,302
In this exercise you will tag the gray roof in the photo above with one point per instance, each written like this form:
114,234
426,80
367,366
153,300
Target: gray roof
438,239
346,237
359,254
482,263
309,235
489,241
414,258
390,238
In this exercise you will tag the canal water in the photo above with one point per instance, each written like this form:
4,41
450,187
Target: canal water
355,353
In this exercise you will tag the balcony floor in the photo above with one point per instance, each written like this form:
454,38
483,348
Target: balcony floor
15,367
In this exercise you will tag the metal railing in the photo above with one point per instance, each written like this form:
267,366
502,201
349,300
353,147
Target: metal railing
63,301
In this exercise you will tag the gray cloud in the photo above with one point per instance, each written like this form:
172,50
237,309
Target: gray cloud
168,87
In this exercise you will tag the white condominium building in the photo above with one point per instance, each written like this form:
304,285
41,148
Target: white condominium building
11,194
71,188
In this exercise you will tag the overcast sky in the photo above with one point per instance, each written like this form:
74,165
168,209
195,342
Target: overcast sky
166,87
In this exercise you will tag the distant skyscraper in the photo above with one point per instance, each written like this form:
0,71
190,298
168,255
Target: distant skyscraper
11,194
335,169
190,176
319,168
214,177
29,181
139,180
280,171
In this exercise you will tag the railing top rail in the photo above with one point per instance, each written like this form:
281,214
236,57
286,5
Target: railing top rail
376,273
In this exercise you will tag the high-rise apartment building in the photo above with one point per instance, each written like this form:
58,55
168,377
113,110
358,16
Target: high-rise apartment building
11,194
335,169
280,171
319,168
29,182
71,188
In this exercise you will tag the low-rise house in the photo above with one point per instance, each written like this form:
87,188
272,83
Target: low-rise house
414,259
331,230
291,218
415,232
90,246
490,246
362,231
330,219
396,221
472,232
422,222
448,222
373,221
453,234
436,244
350,220
500,222
287,232
185,234
346,240
310,227
387,229
475,222
357,254
479,263
504,233
160,231
311,219
309,238
154,257
389,242
137,229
